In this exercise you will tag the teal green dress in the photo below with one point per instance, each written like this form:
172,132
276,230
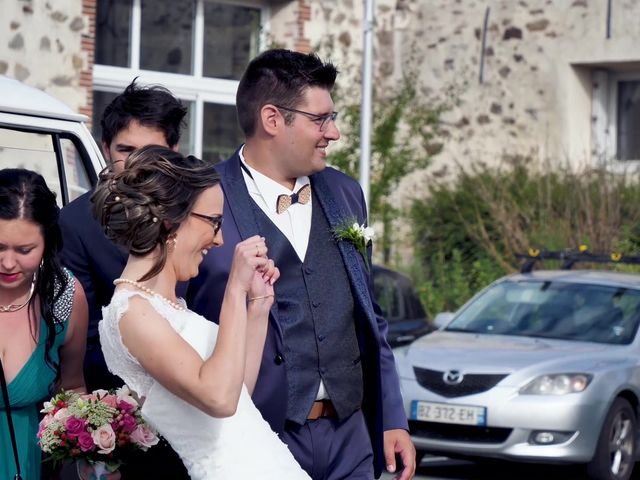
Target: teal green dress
27,392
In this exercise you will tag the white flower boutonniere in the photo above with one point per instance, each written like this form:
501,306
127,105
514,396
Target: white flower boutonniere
357,234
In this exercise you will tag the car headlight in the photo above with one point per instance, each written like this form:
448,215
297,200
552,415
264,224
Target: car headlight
558,384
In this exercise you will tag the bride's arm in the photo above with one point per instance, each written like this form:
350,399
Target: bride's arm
256,333
213,385
261,297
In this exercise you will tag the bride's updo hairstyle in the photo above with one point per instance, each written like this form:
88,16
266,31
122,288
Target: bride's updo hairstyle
142,207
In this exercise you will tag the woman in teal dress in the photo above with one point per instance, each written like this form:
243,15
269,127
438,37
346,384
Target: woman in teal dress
43,315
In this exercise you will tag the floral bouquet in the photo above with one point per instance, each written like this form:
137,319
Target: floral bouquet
95,428
357,234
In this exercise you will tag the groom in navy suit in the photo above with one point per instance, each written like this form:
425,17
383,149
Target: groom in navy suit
327,383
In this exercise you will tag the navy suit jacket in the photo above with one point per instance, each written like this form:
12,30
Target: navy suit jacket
341,199
90,255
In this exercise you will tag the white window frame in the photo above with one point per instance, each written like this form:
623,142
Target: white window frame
192,88
612,114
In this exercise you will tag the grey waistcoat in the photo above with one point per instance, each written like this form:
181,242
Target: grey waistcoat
315,313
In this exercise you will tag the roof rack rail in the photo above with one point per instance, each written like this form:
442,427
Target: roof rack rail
570,257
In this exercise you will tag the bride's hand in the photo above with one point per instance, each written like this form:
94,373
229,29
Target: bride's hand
262,292
249,259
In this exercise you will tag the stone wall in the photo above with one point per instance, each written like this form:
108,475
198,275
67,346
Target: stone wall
534,101
47,44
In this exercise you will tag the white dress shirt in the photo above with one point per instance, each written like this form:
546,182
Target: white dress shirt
294,223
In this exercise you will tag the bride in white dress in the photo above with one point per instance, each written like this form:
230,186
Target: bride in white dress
195,376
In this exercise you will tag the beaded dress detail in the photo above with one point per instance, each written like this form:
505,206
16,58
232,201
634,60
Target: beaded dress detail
242,446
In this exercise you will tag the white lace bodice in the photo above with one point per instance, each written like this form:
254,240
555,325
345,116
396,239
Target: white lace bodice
242,446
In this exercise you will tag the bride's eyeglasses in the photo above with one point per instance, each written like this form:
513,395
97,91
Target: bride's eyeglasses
214,220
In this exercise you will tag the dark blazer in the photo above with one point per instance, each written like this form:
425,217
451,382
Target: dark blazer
90,255
341,199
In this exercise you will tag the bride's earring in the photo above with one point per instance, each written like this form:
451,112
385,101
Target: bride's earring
172,241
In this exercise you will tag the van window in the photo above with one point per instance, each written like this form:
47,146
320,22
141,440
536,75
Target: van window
54,157
76,174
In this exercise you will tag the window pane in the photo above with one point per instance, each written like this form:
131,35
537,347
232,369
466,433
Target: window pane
166,42
187,144
100,102
76,175
230,39
628,120
33,151
221,133
113,36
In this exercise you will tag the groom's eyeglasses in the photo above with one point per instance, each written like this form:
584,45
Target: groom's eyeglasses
214,220
322,120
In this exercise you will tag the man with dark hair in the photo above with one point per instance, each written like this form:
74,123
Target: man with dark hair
327,383
139,116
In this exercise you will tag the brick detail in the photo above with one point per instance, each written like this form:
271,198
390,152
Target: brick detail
88,45
302,44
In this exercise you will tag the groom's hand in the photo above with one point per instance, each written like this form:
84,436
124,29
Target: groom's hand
398,441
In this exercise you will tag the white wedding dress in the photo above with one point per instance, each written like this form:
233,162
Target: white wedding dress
242,446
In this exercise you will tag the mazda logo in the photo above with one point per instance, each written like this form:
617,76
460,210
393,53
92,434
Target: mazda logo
453,377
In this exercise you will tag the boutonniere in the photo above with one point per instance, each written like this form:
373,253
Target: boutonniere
359,235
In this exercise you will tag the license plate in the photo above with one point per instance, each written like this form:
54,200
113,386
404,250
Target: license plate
448,413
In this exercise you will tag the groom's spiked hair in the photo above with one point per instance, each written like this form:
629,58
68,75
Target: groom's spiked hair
279,77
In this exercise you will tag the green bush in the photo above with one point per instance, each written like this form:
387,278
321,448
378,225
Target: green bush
467,233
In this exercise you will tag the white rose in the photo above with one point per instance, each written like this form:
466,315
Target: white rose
124,394
62,414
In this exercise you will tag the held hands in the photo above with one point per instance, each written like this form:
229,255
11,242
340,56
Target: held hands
253,272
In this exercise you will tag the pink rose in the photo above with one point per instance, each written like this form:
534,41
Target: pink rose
128,423
85,441
109,400
74,426
125,406
104,438
144,437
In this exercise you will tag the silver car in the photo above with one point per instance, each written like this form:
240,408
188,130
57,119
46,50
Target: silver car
539,367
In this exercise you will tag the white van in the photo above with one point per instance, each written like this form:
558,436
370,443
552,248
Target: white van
40,133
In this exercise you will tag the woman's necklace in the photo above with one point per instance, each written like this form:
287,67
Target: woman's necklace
14,307
175,305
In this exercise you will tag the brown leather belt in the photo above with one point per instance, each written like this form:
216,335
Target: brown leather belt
322,408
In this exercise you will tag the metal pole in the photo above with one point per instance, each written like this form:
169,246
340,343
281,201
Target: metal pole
366,110
609,19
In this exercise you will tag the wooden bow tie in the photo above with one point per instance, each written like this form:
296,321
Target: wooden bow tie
301,196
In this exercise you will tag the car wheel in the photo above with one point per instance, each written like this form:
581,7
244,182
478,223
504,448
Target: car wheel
615,454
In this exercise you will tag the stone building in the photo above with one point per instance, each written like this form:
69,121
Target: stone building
548,81
541,80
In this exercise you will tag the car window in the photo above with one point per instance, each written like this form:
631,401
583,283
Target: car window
558,310
76,176
37,151
388,296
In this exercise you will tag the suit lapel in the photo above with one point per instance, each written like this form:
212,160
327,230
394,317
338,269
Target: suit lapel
336,216
238,199
242,210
